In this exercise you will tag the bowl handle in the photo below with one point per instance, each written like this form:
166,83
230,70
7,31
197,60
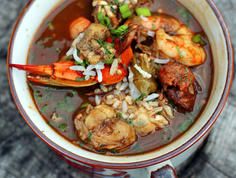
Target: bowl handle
166,171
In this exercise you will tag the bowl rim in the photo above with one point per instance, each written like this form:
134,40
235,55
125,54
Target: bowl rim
200,134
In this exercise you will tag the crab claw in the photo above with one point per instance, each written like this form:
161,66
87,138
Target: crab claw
59,74
45,70
56,74
61,82
109,79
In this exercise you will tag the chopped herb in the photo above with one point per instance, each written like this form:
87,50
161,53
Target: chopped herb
154,27
84,105
116,2
63,127
130,122
44,108
58,50
74,93
90,134
85,63
185,15
198,39
109,60
105,46
120,115
185,125
38,96
141,97
143,11
181,55
120,31
125,11
114,151
80,79
66,104
50,26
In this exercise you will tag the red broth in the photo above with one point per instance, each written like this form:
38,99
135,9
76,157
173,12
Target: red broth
52,41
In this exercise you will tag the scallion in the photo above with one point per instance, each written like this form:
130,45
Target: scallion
125,11
143,11
104,20
198,39
120,31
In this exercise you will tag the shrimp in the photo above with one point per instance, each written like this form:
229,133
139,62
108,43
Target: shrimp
139,27
173,39
180,47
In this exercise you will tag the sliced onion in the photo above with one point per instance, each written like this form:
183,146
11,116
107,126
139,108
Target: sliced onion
161,61
151,97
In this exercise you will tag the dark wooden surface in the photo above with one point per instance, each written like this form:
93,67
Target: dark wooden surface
23,155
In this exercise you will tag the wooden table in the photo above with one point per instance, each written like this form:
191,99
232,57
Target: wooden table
23,155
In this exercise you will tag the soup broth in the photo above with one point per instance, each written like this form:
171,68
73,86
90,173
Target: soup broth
59,105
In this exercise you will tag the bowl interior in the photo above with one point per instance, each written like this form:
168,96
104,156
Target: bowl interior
21,41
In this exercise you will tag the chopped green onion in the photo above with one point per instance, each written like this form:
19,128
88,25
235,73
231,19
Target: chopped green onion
90,134
80,79
120,31
109,61
125,11
141,97
198,39
103,19
84,105
63,127
50,26
181,55
143,11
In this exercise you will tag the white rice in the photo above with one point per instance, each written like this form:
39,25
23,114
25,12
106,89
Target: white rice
142,72
116,92
151,33
90,73
134,92
98,99
77,68
161,61
76,57
77,40
124,86
87,77
124,107
151,97
114,67
70,52
99,74
144,18
103,88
